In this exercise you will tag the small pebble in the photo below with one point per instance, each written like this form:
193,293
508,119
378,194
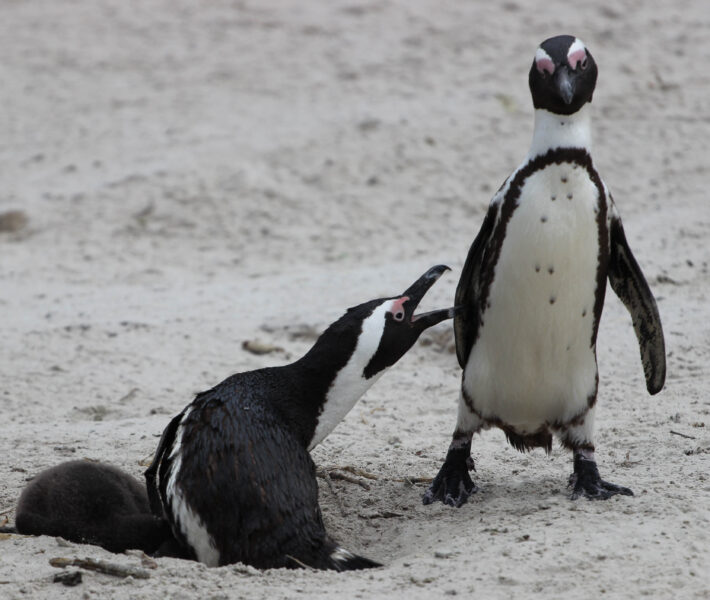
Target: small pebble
12,221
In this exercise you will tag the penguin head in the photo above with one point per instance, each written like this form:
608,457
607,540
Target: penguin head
563,75
372,336
392,328
354,351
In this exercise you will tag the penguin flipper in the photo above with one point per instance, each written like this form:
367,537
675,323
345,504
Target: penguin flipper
150,474
630,286
467,318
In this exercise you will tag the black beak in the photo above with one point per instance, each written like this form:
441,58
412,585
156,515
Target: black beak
565,85
416,292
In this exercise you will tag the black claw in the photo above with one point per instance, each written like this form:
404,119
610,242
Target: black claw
452,485
586,481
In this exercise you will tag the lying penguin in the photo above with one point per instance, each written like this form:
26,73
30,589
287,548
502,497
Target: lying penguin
88,502
232,473
92,503
532,290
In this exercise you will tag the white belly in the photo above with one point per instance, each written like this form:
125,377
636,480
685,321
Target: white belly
534,361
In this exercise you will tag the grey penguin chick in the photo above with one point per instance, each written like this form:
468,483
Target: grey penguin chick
232,472
92,503
532,290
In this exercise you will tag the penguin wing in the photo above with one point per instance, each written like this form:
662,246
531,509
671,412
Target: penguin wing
630,286
164,445
467,318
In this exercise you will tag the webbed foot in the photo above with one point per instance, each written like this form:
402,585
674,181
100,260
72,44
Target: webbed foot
586,481
453,485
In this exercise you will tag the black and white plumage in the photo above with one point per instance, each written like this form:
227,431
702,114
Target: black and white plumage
532,290
92,503
232,472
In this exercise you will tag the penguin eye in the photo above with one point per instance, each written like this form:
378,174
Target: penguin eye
584,63
396,309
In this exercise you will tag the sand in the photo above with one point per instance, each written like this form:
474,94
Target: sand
194,175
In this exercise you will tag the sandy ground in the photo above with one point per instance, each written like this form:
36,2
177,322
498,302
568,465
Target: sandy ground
194,175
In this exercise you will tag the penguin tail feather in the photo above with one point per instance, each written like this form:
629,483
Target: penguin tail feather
330,556
341,559
8,530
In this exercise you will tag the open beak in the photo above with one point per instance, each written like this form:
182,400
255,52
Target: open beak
416,292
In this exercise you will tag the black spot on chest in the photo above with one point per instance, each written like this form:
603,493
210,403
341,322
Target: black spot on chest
576,158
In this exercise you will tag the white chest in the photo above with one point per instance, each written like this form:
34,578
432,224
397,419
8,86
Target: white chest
533,361
350,383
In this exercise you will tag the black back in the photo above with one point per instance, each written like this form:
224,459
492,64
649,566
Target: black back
248,475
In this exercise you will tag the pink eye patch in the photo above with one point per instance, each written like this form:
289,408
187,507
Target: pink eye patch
545,65
576,57
398,305
543,62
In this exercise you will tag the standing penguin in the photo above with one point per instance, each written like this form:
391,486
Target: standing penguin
532,291
232,472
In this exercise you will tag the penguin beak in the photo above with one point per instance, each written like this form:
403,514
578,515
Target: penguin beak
416,292
565,85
